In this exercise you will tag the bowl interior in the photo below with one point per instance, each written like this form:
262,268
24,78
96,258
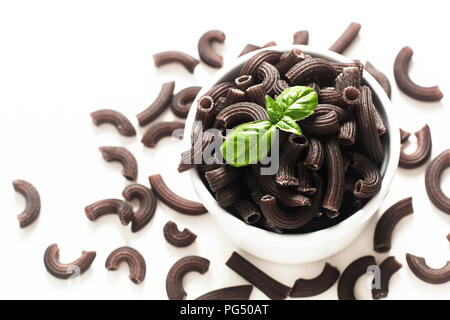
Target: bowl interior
390,142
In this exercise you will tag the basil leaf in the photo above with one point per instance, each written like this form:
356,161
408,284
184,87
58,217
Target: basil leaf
248,143
273,110
252,141
289,125
298,102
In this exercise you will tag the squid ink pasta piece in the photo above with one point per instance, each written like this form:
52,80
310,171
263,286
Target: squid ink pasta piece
230,293
181,103
341,113
110,206
257,94
176,237
315,69
404,135
385,226
387,269
422,271
305,180
282,219
289,60
69,270
206,50
234,95
147,205
286,175
379,123
256,194
346,38
347,132
285,196
33,202
320,123
291,219
339,66
343,98
165,57
174,280
272,288
269,76
301,37
203,118
405,83
252,65
350,77
160,130
312,287
229,195
421,154
316,154
219,90
219,105
351,274
279,87
205,112
330,95
336,175
125,157
221,177
368,130
247,211
130,256
244,82
115,118
370,183
172,200
161,103
195,155
239,113
433,181
380,77
351,96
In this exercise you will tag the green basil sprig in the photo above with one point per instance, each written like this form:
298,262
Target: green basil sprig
252,141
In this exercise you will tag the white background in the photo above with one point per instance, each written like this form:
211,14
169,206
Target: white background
61,60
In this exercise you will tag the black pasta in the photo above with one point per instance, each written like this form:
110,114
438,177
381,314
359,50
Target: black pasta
324,175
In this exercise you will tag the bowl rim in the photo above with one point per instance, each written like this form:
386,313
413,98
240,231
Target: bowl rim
359,217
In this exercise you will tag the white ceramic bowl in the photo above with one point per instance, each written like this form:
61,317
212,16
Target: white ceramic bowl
299,248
